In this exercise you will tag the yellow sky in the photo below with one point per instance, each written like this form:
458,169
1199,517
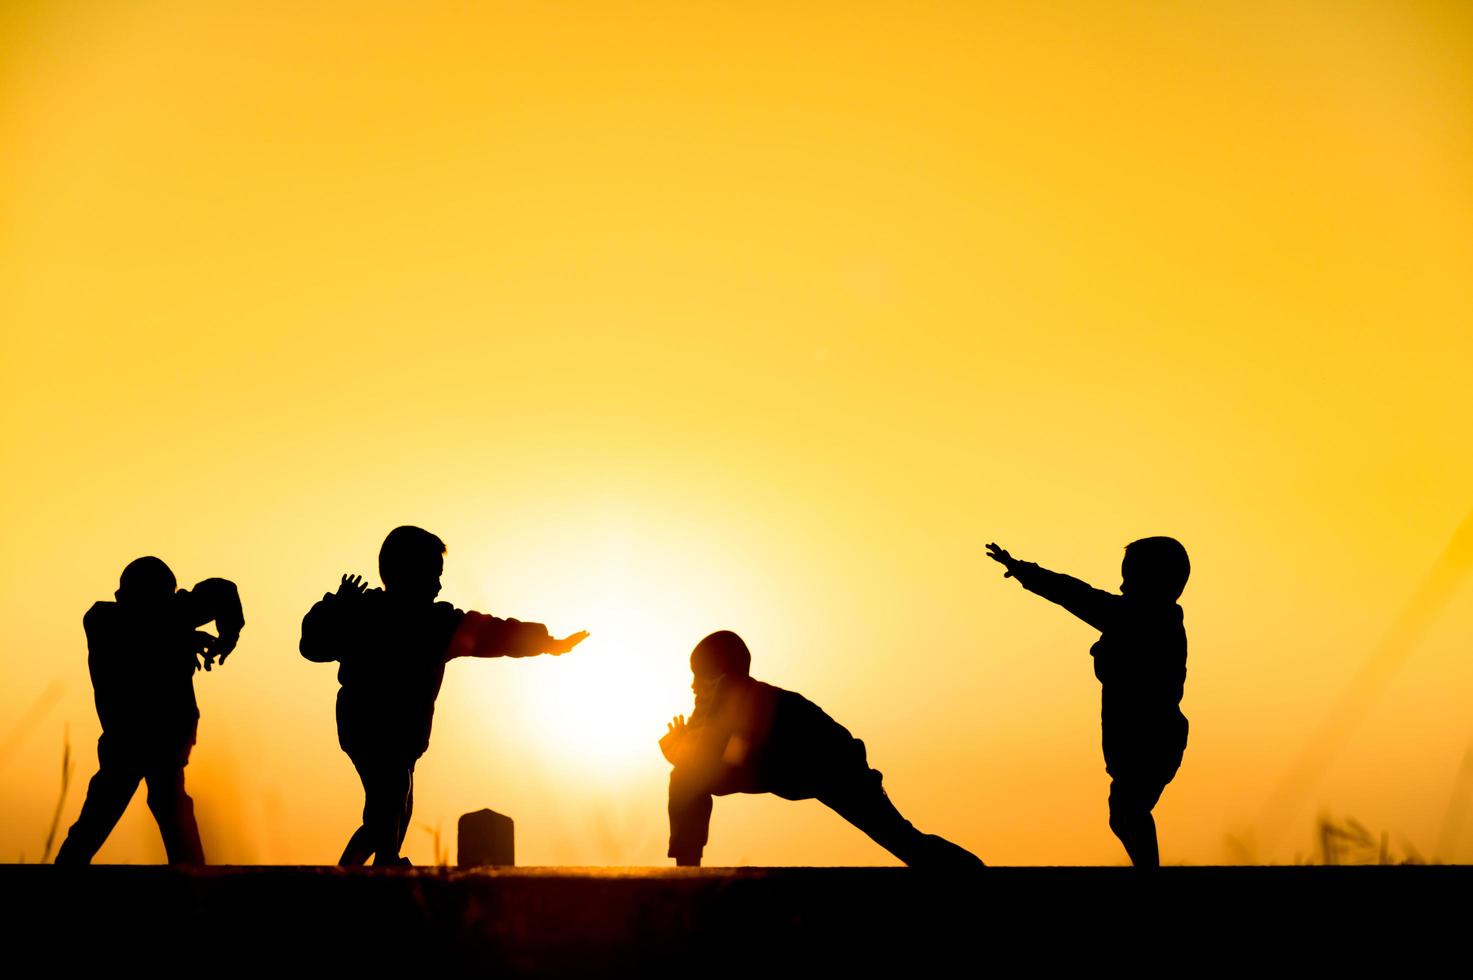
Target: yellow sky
684,316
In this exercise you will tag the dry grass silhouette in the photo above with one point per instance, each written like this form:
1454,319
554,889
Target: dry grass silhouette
1349,842
441,852
66,780
1336,842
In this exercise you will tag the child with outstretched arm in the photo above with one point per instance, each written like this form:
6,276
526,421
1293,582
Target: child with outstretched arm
745,736
1141,662
391,646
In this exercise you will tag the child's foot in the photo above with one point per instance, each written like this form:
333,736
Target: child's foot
939,854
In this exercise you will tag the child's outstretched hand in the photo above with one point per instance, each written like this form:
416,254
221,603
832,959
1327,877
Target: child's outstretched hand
1002,558
352,585
559,647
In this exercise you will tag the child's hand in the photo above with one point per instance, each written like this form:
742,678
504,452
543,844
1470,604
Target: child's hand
352,585
670,742
222,645
559,647
200,647
1002,558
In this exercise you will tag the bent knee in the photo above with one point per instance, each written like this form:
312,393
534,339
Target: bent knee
1125,820
1132,804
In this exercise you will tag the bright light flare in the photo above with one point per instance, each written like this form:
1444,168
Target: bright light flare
602,708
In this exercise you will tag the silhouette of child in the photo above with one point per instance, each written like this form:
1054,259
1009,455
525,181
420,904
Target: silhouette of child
392,645
142,652
745,736
1141,662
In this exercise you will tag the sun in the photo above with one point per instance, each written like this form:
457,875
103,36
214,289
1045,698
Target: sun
646,596
603,707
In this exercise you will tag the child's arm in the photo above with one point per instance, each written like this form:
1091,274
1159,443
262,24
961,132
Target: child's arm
674,740
217,600
1095,606
480,635
324,625
693,743
687,742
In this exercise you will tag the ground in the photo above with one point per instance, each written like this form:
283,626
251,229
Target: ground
744,921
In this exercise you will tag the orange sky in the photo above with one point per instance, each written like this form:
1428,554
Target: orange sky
671,317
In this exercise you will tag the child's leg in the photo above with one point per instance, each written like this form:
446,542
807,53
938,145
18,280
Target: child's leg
1141,761
174,811
862,801
358,850
408,809
386,787
690,815
390,805
1131,801
108,795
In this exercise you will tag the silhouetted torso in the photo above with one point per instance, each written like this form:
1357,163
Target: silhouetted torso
142,659
1140,660
392,654
784,743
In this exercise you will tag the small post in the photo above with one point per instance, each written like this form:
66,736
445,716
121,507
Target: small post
485,837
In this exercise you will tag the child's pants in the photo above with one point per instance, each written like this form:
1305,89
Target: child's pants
388,802
1140,768
121,765
857,796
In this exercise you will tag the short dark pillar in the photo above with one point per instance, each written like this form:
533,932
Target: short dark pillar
485,837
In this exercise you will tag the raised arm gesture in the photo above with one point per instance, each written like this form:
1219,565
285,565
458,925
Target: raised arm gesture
1004,559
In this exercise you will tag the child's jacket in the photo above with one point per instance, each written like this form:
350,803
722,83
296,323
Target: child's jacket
392,654
142,661
763,739
1140,660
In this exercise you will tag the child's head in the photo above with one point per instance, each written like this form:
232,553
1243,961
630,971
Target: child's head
146,581
411,562
1154,568
719,654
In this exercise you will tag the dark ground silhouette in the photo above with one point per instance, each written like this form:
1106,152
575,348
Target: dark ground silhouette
745,922
142,652
1141,662
745,736
392,645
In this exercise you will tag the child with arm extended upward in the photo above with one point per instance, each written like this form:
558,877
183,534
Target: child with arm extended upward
1140,660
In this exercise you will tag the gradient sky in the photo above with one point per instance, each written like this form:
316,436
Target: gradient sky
673,317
